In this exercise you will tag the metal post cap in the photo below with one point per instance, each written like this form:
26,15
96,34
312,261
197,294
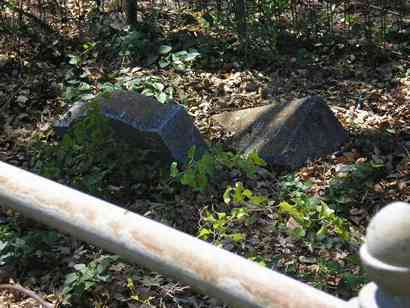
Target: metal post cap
386,253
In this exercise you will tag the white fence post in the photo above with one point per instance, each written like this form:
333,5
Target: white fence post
386,258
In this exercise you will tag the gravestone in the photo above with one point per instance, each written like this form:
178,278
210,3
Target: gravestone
164,129
286,134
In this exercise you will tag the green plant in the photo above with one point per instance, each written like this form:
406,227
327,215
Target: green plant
310,214
149,85
78,90
180,60
77,84
86,277
83,155
266,26
81,60
219,225
290,184
313,215
354,281
260,260
239,195
17,249
352,182
352,278
8,238
107,87
197,172
130,43
246,164
89,156
134,294
78,60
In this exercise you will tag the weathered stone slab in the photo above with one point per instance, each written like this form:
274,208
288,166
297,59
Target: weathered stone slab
166,129
285,134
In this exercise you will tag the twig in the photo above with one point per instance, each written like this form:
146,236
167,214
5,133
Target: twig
32,17
19,288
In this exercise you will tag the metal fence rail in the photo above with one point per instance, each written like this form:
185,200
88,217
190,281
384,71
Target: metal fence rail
214,271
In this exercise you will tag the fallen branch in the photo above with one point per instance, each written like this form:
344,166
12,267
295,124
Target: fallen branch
29,293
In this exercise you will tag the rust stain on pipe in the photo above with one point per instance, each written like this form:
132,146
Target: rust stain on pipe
65,206
181,258
115,227
6,182
146,242
90,215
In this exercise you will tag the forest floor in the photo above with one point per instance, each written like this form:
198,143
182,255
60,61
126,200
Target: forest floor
368,91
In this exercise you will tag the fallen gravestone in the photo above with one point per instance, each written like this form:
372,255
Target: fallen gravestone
285,134
165,129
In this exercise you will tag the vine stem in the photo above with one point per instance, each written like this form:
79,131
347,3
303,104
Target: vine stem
19,288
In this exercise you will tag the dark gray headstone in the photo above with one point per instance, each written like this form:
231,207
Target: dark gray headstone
165,129
286,134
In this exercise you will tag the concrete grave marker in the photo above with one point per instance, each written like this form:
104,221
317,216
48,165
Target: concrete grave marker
285,134
166,129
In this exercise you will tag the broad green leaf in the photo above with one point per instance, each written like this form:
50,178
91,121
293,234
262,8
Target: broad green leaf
342,232
3,245
239,213
206,165
88,97
227,195
237,237
298,232
191,56
84,87
179,56
322,231
74,60
202,182
147,92
180,67
158,86
325,211
89,284
204,233
287,208
209,218
258,200
164,49
162,98
70,278
188,178
104,278
247,193
256,159
191,153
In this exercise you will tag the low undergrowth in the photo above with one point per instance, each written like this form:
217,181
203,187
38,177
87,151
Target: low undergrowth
249,203
92,159
308,223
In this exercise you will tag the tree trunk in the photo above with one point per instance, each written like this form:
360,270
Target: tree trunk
131,12
241,24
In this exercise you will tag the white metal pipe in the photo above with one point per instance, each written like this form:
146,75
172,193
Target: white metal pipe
214,271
